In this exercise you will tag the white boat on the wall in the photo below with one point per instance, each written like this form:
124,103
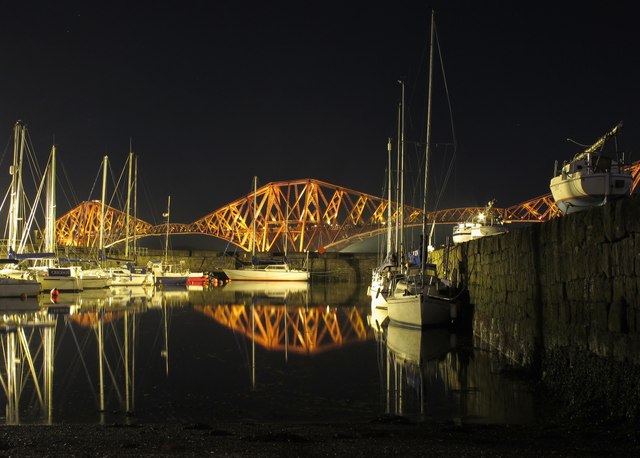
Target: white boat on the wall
592,178
486,223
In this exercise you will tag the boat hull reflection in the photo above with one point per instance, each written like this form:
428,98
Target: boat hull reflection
431,375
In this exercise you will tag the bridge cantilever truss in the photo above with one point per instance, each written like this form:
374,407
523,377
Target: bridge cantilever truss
301,215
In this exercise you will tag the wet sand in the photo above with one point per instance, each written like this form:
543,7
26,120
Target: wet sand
381,437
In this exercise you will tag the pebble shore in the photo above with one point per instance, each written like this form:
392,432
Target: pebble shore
380,437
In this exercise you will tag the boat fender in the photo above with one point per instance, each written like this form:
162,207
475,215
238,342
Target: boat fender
54,295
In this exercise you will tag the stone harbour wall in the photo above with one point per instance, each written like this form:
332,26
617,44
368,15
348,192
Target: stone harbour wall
562,297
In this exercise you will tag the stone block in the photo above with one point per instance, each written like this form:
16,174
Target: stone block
624,289
599,315
631,208
617,319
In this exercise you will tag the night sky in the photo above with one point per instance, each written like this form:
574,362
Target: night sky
212,93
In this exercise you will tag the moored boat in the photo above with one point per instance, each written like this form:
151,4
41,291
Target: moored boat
421,298
129,275
60,278
267,272
18,287
592,178
164,274
97,278
198,279
485,223
266,269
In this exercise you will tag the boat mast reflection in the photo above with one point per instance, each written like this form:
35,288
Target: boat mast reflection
413,354
26,337
111,317
430,374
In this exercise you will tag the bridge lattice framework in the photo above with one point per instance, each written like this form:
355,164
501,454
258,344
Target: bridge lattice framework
293,216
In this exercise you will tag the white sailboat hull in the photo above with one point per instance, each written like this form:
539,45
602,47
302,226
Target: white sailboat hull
125,278
15,287
95,279
279,272
95,282
60,283
579,191
420,310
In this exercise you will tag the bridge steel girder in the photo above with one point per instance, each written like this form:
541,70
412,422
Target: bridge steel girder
304,215
81,226
301,215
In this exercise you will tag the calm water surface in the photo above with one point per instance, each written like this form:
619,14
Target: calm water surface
241,353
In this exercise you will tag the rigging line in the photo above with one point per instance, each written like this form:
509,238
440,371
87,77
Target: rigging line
4,201
84,364
95,181
112,375
446,88
6,149
150,203
119,344
32,214
412,96
116,194
455,145
113,183
34,167
74,201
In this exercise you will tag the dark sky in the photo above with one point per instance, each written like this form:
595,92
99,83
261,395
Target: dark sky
212,93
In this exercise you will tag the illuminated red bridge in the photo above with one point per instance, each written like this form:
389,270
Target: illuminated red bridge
310,215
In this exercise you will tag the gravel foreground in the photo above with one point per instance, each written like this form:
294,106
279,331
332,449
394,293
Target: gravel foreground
382,437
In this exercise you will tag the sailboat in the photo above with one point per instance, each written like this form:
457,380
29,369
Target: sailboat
16,282
163,272
45,266
128,274
98,277
269,270
384,276
420,299
592,178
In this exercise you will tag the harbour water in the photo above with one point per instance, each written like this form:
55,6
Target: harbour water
243,352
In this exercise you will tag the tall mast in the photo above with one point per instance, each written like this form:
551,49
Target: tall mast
50,227
135,208
255,203
16,185
102,206
128,209
389,247
401,246
397,184
423,254
166,240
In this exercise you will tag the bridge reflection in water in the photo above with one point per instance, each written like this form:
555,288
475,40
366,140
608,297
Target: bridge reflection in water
291,352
